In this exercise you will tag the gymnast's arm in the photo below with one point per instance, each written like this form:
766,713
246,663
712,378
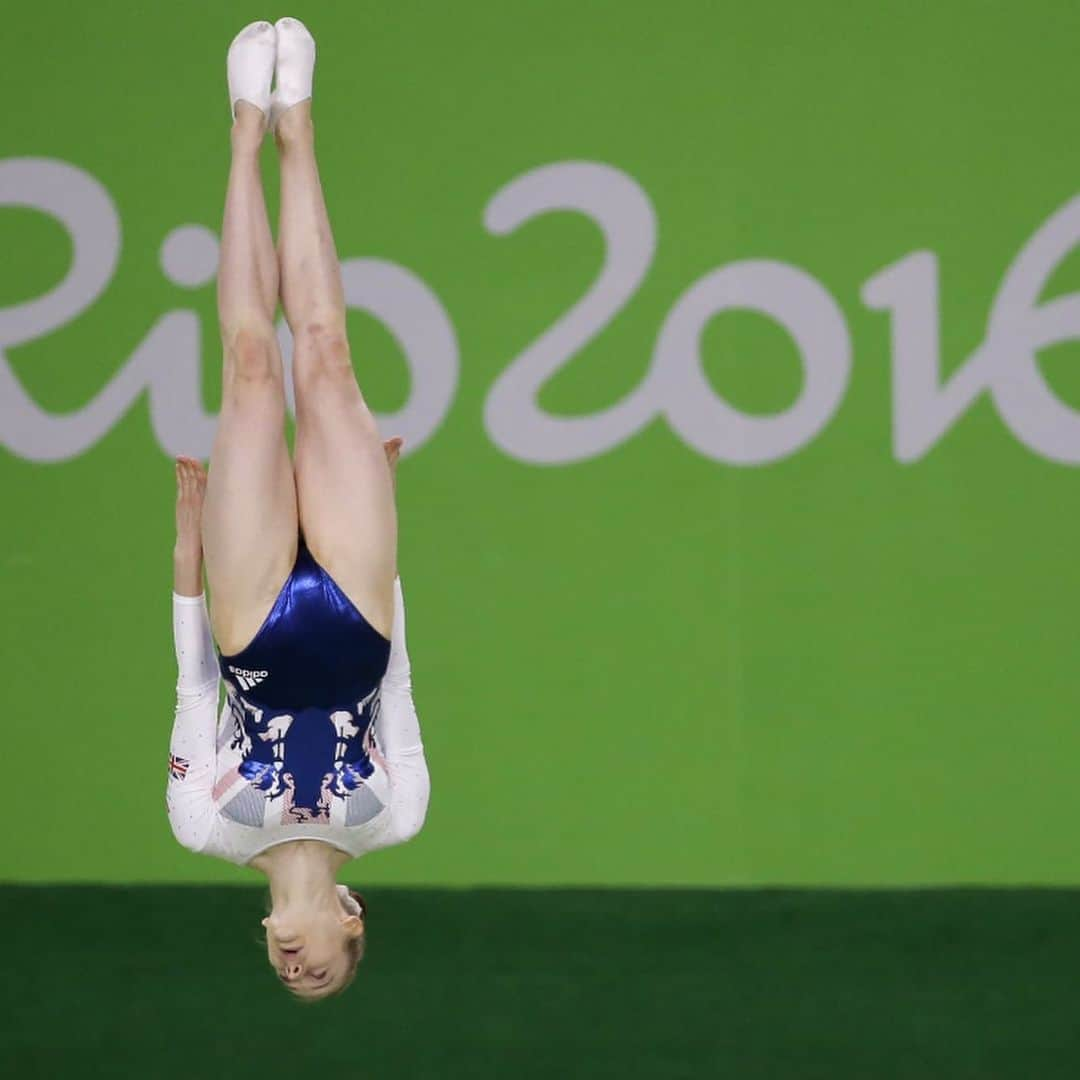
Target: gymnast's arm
193,748
397,729
397,734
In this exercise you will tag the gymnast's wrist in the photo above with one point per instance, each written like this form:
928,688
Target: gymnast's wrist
187,551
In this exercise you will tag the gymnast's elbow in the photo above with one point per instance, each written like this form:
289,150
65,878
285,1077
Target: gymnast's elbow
408,822
408,826
190,829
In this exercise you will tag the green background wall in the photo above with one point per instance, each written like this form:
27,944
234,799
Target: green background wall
648,666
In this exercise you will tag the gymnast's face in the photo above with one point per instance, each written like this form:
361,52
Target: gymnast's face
310,951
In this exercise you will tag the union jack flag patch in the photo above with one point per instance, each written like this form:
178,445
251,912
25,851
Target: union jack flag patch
178,767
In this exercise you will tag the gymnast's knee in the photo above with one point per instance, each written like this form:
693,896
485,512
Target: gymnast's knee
322,353
251,355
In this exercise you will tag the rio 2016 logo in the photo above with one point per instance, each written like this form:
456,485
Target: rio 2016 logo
167,363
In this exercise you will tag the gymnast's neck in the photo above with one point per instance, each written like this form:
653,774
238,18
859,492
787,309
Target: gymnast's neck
302,873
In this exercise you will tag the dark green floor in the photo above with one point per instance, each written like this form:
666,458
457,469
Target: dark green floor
155,982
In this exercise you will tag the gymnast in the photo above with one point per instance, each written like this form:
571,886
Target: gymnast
316,756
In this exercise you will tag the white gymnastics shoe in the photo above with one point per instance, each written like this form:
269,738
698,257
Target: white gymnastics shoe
250,66
295,67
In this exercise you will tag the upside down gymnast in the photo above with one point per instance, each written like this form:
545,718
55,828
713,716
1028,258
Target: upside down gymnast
316,756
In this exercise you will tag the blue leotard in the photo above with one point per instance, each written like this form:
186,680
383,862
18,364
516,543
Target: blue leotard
305,692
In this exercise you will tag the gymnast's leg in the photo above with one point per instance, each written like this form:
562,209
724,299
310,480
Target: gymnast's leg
343,484
249,517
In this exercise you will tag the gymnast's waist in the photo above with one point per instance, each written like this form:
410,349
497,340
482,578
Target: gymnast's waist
315,668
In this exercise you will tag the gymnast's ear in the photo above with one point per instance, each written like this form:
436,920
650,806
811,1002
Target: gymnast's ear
354,926
266,921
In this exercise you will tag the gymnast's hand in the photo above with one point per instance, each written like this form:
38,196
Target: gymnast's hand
393,452
187,555
190,493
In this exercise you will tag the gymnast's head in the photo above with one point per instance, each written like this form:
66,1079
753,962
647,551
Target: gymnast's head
314,948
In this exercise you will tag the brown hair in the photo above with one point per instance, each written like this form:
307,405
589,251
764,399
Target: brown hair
355,946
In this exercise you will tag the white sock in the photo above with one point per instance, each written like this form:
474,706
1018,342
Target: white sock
295,67
250,66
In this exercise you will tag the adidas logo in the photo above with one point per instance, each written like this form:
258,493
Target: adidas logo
248,679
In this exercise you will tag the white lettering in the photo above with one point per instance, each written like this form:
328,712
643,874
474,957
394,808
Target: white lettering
167,362
674,384
707,422
1005,362
624,215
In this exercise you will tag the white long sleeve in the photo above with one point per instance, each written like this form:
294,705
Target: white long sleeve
397,733
193,751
